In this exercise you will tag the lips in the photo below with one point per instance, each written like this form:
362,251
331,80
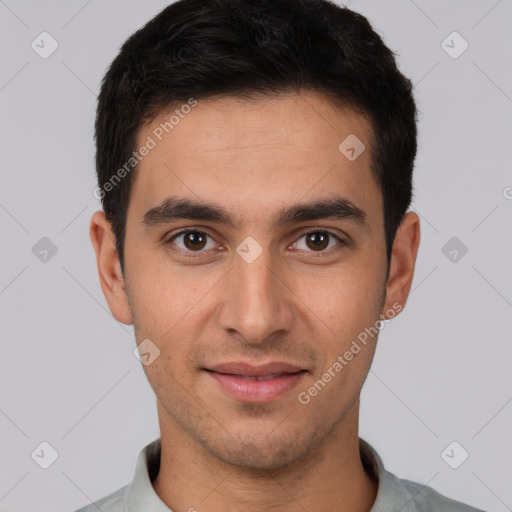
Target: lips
256,384
262,377
247,370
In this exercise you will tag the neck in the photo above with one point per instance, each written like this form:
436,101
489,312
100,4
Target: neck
331,478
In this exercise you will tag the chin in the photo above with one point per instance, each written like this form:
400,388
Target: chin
253,457
264,453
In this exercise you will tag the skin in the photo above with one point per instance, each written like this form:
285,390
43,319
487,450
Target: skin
253,158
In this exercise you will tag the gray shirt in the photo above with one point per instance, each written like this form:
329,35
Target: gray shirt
394,494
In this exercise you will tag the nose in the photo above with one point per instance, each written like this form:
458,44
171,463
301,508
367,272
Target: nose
255,300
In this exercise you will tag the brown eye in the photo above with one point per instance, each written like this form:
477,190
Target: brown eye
318,240
192,241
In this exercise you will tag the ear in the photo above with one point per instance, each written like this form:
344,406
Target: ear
403,260
109,267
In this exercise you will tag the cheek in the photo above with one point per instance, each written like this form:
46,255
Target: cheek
168,309
349,345
165,297
346,300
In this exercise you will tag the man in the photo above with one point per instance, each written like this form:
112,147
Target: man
254,162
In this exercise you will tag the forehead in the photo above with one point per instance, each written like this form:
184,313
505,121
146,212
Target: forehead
257,155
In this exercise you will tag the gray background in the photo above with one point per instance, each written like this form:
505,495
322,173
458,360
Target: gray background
442,368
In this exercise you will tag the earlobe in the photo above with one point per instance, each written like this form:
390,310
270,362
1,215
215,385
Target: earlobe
109,268
403,261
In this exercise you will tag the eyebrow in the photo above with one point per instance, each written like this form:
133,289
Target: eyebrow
176,208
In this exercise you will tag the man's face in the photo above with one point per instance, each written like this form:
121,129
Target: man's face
204,300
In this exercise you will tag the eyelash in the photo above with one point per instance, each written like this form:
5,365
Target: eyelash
195,254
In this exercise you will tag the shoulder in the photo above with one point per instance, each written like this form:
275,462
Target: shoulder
427,499
112,503
402,494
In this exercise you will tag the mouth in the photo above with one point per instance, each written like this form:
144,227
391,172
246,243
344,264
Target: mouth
263,377
256,384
